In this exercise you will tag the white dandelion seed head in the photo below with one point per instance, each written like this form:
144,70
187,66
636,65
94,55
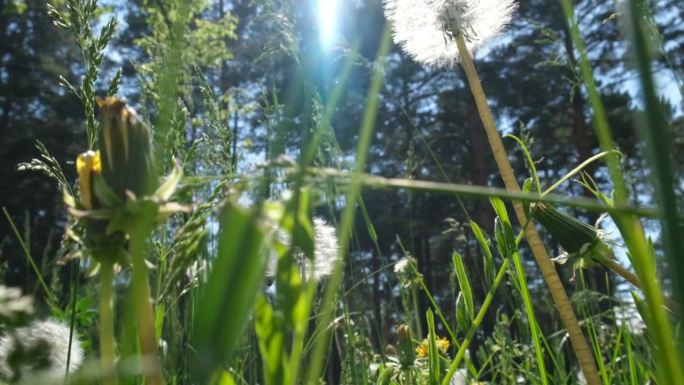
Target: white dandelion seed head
41,348
425,28
402,266
460,377
325,252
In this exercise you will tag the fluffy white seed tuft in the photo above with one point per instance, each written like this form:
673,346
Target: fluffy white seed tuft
425,29
325,252
39,349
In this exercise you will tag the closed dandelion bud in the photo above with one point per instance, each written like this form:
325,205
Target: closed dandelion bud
127,163
583,244
406,350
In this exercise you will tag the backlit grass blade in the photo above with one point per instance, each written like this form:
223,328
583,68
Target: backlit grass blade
230,292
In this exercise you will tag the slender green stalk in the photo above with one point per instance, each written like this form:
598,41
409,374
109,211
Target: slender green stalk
107,350
27,253
531,319
556,288
476,323
579,168
633,279
481,192
659,148
417,326
72,324
438,310
295,361
348,214
142,298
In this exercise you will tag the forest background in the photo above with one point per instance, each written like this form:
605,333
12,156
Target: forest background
250,55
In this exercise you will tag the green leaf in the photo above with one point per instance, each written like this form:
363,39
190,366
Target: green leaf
505,239
464,284
166,190
230,292
489,269
104,193
527,186
462,313
433,354
269,326
226,379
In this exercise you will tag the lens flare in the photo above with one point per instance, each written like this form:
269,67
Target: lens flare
327,22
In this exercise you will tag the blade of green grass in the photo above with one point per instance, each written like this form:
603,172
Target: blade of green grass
509,249
365,135
659,147
668,358
27,253
229,294
373,181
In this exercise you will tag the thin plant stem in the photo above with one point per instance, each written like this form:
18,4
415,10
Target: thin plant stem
348,214
72,323
374,181
560,298
141,293
632,278
418,327
476,323
532,320
107,353
27,253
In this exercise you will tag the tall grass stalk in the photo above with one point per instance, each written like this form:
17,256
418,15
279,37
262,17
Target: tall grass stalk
631,229
455,363
655,129
548,270
29,258
364,140
467,190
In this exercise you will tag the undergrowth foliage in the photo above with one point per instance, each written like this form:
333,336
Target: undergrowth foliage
201,259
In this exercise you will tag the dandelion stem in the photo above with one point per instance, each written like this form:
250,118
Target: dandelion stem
107,353
141,293
556,288
633,279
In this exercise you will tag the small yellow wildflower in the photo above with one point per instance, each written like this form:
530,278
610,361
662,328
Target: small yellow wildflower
443,344
87,165
423,349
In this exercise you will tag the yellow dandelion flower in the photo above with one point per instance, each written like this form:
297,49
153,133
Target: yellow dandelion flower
443,344
423,349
